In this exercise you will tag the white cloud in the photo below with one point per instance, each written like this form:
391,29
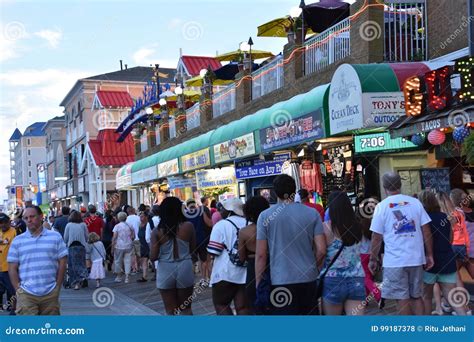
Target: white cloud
28,96
10,35
53,37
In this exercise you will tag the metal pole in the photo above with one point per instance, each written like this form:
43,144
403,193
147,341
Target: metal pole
470,5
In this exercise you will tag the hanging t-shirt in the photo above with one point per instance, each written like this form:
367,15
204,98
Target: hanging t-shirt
399,219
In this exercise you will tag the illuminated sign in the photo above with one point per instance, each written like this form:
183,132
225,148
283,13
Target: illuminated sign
432,91
380,142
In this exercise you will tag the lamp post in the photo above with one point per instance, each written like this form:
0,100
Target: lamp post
164,126
180,119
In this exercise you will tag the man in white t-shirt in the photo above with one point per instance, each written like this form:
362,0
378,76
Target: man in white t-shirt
403,225
134,221
227,277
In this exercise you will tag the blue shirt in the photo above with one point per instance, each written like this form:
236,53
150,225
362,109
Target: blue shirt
37,258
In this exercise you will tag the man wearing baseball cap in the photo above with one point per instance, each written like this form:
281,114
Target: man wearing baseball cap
7,234
228,274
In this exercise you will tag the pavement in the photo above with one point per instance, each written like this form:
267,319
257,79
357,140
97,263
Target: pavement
138,299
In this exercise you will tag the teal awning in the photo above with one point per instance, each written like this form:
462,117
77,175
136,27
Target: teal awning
295,107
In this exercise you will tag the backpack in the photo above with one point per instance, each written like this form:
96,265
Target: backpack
234,251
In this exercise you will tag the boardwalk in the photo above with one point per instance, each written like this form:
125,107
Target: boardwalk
144,299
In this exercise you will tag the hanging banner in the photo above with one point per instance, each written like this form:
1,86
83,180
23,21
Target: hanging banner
195,160
41,177
150,173
19,196
216,178
260,168
382,109
181,182
235,148
292,132
168,168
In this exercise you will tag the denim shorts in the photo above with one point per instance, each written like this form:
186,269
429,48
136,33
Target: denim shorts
431,278
460,252
336,290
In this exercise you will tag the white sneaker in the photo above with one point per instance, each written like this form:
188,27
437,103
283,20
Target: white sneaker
118,280
126,280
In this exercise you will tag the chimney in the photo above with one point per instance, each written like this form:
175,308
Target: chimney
126,67
121,65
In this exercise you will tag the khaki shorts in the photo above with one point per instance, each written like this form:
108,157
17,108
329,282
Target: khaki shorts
402,282
30,305
136,248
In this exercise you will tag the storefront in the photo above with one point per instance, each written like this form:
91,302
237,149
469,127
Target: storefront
439,117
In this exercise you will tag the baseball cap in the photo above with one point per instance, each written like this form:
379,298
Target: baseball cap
235,205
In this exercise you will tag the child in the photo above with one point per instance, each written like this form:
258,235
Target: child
96,254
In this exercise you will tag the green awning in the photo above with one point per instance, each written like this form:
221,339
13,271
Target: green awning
376,78
296,106
192,145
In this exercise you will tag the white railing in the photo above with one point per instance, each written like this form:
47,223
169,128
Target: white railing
193,117
172,123
268,78
157,135
327,47
81,129
405,30
223,101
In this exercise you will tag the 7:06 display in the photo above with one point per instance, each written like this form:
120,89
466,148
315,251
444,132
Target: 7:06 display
372,142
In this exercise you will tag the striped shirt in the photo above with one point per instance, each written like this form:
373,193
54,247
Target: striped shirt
37,258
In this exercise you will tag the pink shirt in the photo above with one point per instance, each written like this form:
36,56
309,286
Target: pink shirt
216,217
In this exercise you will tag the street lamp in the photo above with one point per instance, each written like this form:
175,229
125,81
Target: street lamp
162,102
149,110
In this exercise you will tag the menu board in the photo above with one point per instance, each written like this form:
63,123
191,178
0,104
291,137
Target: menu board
435,179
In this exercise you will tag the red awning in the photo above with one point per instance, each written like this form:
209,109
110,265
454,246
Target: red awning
107,151
110,98
194,64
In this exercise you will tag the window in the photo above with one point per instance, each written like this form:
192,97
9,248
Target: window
29,152
29,163
29,174
28,141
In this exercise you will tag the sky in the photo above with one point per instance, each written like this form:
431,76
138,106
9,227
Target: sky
46,46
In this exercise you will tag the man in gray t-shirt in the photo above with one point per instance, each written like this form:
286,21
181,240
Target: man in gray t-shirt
291,235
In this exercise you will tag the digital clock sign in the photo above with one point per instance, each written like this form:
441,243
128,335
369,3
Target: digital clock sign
378,142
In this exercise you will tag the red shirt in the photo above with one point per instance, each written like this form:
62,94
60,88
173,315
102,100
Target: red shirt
94,224
318,207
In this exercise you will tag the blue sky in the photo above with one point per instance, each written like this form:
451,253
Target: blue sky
45,46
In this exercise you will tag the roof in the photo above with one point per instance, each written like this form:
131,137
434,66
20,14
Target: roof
107,151
16,135
194,64
135,74
114,98
35,130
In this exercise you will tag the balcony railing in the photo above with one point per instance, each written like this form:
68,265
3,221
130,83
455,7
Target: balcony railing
327,47
193,117
405,30
172,123
268,78
223,101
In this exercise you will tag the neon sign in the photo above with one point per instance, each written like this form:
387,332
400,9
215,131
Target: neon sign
432,91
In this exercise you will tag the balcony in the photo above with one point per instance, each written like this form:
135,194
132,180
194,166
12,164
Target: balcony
223,101
327,47
405,31
268,78
193,117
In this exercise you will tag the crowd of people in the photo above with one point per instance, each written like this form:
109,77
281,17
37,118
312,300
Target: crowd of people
291,258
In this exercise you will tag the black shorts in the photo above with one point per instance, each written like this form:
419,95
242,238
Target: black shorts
201,251
224,292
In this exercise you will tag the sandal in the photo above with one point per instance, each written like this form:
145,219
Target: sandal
142,280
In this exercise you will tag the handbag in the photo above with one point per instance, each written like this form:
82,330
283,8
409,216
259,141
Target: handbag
319,290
